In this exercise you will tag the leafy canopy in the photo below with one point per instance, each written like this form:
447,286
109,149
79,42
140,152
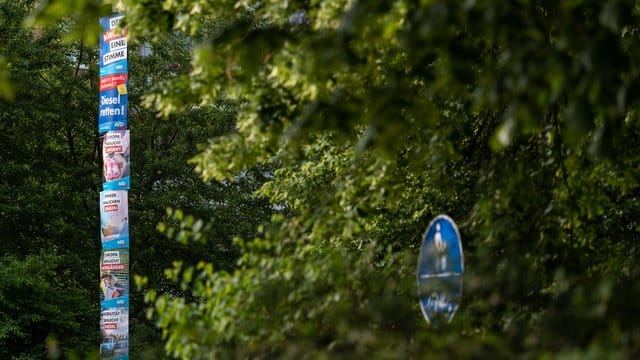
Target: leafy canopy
517,118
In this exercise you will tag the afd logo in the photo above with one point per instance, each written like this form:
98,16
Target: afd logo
119,124
122,183
120,302
120,242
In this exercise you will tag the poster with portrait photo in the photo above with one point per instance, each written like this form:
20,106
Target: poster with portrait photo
115,159
114,327
114,219
114,278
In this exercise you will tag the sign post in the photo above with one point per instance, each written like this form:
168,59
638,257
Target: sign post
114,207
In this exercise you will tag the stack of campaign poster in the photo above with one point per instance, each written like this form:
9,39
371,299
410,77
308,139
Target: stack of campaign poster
114,204
114,274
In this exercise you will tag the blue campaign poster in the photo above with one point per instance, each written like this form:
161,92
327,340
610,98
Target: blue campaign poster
112,114
114,82
113,46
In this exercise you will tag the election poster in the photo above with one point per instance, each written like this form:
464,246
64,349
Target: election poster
114,219
114,207
114,327
113,46
113,106
115,156
114,278
114,80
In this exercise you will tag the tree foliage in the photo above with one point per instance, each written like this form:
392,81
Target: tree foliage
46,190
519,119
50,180
42,304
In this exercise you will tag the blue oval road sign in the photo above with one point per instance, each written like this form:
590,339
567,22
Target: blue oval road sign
440,270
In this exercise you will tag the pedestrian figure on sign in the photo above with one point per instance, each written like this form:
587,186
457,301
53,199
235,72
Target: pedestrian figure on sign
441,247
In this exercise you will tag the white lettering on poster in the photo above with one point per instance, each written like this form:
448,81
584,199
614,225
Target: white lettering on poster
113,143
109,100
110,202
113,140
111,257
114,56
111,110
111,313
114,21
118,44
111,318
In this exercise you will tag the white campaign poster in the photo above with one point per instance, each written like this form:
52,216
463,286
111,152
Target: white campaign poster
115,158
114,327
114,219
